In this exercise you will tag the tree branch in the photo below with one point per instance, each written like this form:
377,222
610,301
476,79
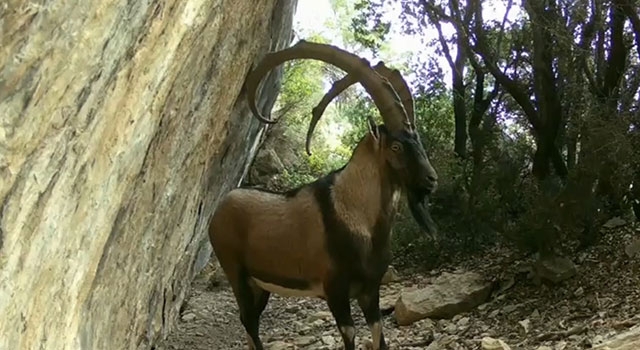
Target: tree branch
628,9
435,14
617,55
443,41
513,87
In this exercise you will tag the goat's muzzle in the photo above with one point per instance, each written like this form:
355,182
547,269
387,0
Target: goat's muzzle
429,185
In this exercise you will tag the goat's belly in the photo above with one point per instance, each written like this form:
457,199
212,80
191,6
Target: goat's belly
314,290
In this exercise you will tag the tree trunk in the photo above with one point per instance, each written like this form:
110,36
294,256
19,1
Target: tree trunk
545,86
459,108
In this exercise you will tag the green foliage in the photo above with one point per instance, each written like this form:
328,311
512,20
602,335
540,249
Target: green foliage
303,85
434,122
368,27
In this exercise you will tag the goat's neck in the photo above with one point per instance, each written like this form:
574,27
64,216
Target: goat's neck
364,193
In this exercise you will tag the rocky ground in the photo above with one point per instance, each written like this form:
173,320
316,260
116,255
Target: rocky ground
598,297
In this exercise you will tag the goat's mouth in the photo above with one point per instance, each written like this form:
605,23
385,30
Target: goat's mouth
418,199
430,187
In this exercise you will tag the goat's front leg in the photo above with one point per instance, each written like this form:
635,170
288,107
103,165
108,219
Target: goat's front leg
369,302
338,302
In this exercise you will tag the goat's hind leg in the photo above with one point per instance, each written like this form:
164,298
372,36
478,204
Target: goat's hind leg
369,302
251,301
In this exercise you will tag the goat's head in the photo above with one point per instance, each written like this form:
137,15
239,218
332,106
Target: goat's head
410,166
399,143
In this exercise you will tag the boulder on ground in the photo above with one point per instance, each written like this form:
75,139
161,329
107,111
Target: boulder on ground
449,295
554,269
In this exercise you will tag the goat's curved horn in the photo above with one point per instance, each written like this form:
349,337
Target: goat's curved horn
336,89
394,77
380,90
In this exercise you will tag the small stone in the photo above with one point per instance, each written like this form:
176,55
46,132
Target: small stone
189,316
441,342
329,340
526,324
576,338
292,308
561,345
509,309
304,330
305,341
633,249
489,343
535,314
426,324
390,276
388,302
318,323
597,339
506,284
463,322
320,315
278,345
578,292
450,328
614,222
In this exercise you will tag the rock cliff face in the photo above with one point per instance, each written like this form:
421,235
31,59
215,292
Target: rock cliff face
121,124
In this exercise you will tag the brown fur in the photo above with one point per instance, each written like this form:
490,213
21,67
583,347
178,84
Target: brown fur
268,233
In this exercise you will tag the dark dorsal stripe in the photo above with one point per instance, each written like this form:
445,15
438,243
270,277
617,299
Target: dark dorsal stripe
340,245
343,245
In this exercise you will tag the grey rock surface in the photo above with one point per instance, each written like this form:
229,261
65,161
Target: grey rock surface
121,125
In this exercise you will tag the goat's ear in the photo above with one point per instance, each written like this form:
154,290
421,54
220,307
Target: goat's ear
373,128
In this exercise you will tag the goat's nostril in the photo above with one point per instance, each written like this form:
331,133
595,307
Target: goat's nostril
432,178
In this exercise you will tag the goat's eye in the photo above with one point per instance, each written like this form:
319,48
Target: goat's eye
395,147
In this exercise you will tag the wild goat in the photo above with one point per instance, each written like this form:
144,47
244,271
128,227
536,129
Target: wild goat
330,238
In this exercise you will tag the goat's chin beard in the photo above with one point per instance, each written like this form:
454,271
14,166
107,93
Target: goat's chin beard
419,207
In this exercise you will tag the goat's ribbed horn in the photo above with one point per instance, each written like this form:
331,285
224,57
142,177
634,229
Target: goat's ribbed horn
380,90
394,77
402,89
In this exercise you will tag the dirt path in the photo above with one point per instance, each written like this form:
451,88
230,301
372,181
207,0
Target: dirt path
603,299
